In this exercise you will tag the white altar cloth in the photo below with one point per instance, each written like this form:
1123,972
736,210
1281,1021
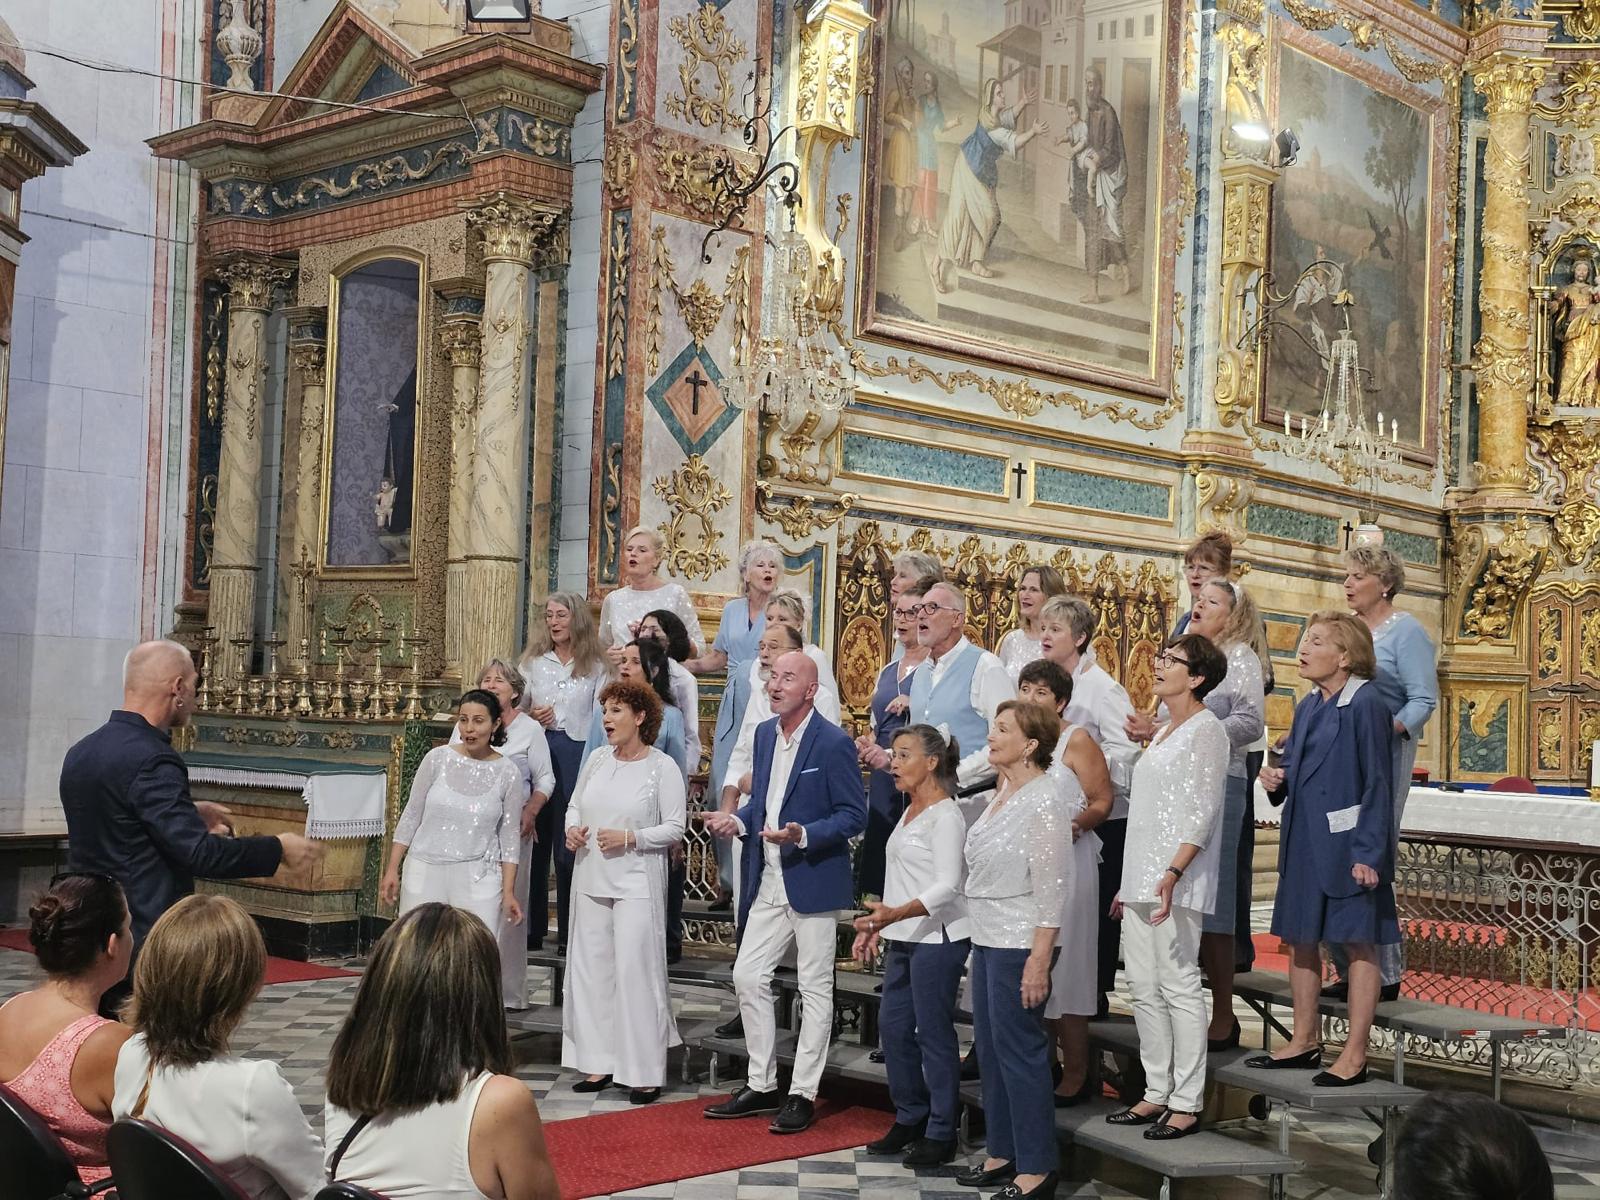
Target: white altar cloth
338,804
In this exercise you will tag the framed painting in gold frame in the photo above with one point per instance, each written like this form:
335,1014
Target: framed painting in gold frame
1017,205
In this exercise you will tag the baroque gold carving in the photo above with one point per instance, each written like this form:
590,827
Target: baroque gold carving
617,301
1222,502
686,176
800,516
252,282
1508,569
461,343
1366,34
540,137
1577,528
1583,25
617,171
627,55
1579,102
707,42
693,496
515,230
373,175
700,307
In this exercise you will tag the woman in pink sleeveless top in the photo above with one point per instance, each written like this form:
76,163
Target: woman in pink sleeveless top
56,1054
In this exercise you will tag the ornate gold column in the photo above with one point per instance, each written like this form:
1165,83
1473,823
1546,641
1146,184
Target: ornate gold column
514,231
459,335
308,350
1504,366
251,282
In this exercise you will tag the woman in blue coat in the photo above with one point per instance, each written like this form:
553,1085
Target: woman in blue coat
1336,851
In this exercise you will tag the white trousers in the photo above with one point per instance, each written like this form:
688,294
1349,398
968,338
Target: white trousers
514,938
460,884
616,1018
768,934
1169,1007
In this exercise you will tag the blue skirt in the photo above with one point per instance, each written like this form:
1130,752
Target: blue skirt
1303,914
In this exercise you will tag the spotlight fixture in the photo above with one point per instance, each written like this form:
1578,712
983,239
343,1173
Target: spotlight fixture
1251,131
499,11
1285,148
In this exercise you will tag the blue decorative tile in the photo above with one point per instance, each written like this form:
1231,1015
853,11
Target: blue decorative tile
1292,525
1413,547
911,462
1101,493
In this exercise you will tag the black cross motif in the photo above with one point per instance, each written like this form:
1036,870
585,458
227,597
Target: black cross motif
1348,530
695,382
1021,473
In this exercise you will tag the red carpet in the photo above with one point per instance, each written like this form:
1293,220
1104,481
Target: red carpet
279,970
616,1152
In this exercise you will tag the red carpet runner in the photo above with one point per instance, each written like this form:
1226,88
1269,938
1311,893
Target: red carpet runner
616,1152
279,970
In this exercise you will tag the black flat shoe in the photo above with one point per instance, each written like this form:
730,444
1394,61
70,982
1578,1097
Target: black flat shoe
930,1152
1337,990
733,1028
1165,1132
1229,1042
1295,1062
1328,1079
875,1056
976,1176
1128,1117
795,1116
644,1095
897,1139
1072,1099
592,1085
1389,991
1042,1190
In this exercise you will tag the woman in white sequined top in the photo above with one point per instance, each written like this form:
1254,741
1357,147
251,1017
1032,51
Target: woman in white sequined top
1038,586
1169,881
460,834
1019,873
642,590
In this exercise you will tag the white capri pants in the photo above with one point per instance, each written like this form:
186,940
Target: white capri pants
460,884
1169,1007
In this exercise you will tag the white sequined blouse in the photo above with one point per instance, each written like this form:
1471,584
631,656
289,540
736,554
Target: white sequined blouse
1019,866
1017,650
463,810
1177,798
623,609
551,681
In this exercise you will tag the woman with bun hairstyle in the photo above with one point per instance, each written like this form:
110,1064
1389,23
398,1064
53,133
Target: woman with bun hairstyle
56,1054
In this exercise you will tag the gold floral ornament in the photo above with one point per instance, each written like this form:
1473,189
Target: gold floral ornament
693,496
707,42
699,306
800,515
1508,569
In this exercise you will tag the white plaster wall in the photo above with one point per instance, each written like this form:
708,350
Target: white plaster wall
591,38
71,516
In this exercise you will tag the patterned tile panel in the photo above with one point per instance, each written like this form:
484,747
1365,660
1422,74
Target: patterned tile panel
1292,525
1413,547
1101,493
913,462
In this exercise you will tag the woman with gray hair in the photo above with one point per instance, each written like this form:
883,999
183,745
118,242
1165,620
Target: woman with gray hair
1408,683
526,749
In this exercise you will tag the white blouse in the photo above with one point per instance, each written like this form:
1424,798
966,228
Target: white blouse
686,695
623,609
645,797
551,681
1177,799
1017,650
526,747
1100,706
1019,866
463,810
239,1113
925,860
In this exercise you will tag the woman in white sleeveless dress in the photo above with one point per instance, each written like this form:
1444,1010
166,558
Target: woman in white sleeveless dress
1039,585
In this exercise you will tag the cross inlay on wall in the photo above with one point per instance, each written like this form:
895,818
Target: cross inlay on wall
695,382
1348,530
1021,472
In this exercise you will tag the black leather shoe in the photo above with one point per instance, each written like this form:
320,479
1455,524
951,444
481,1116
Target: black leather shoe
733,1028
745,1103
930,1152
875,1056
794,1117
1337,990
1090,1087
1128,1117
976,1176
1042,1190
644,1095
897,1139
1295,1062
722,903
1389,991
1165,1131
592,1085
1328,1079
969,1064
1230,1042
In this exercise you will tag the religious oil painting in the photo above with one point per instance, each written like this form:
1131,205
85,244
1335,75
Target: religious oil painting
1353,225
1017,174
373,409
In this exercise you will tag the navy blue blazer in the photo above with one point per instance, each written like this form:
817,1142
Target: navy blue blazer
1344,790
126,795
826,797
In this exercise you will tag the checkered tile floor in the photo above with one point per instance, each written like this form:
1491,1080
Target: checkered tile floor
293,1024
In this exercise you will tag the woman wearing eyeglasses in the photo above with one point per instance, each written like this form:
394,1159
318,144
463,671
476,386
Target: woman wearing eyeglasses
1169,883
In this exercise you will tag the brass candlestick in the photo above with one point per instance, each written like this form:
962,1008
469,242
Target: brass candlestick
302,691
202,696
337,697
240,692
411,647
269,687
376,641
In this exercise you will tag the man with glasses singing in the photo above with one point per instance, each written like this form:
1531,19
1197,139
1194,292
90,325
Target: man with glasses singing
960,685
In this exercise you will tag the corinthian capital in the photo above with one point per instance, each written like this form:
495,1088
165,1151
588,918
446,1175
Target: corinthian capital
516,230
252,281
311,360
1508,82
461,341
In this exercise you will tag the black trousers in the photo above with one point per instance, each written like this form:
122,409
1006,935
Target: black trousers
1244,946
1113,838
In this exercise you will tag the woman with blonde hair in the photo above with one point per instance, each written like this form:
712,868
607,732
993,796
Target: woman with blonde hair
792,609
422,1101
1039,584
1336,850
642,590
197,974
564,666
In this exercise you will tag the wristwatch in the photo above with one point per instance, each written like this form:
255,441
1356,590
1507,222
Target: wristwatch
1177,873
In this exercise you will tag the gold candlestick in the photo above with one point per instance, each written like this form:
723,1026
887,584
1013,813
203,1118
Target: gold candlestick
376,641
240,691
202,696
411,647
269,687
337,697
302,691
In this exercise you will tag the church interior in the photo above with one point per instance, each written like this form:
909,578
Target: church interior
336,336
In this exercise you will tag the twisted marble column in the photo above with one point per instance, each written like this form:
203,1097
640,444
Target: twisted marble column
308,351
514,232
460,337
251,283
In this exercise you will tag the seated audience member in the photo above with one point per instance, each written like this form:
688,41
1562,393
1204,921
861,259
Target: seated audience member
198,972
56,1053
1457,1146
421,1099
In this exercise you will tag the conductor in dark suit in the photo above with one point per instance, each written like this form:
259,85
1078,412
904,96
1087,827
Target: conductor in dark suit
806,803
125,791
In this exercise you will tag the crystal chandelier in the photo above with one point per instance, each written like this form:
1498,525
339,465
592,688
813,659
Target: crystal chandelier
790,370
1339,438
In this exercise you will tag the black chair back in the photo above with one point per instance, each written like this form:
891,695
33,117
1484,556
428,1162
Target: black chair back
151,1164
36,1163
347,1191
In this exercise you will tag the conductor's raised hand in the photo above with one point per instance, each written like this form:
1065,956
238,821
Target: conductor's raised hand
299,852
789,835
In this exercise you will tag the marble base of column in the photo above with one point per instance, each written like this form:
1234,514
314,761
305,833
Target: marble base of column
489,619
455,615
232,614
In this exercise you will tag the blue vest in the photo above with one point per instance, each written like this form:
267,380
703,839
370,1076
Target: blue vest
950,703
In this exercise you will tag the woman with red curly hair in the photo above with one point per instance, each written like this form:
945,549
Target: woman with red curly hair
626,813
